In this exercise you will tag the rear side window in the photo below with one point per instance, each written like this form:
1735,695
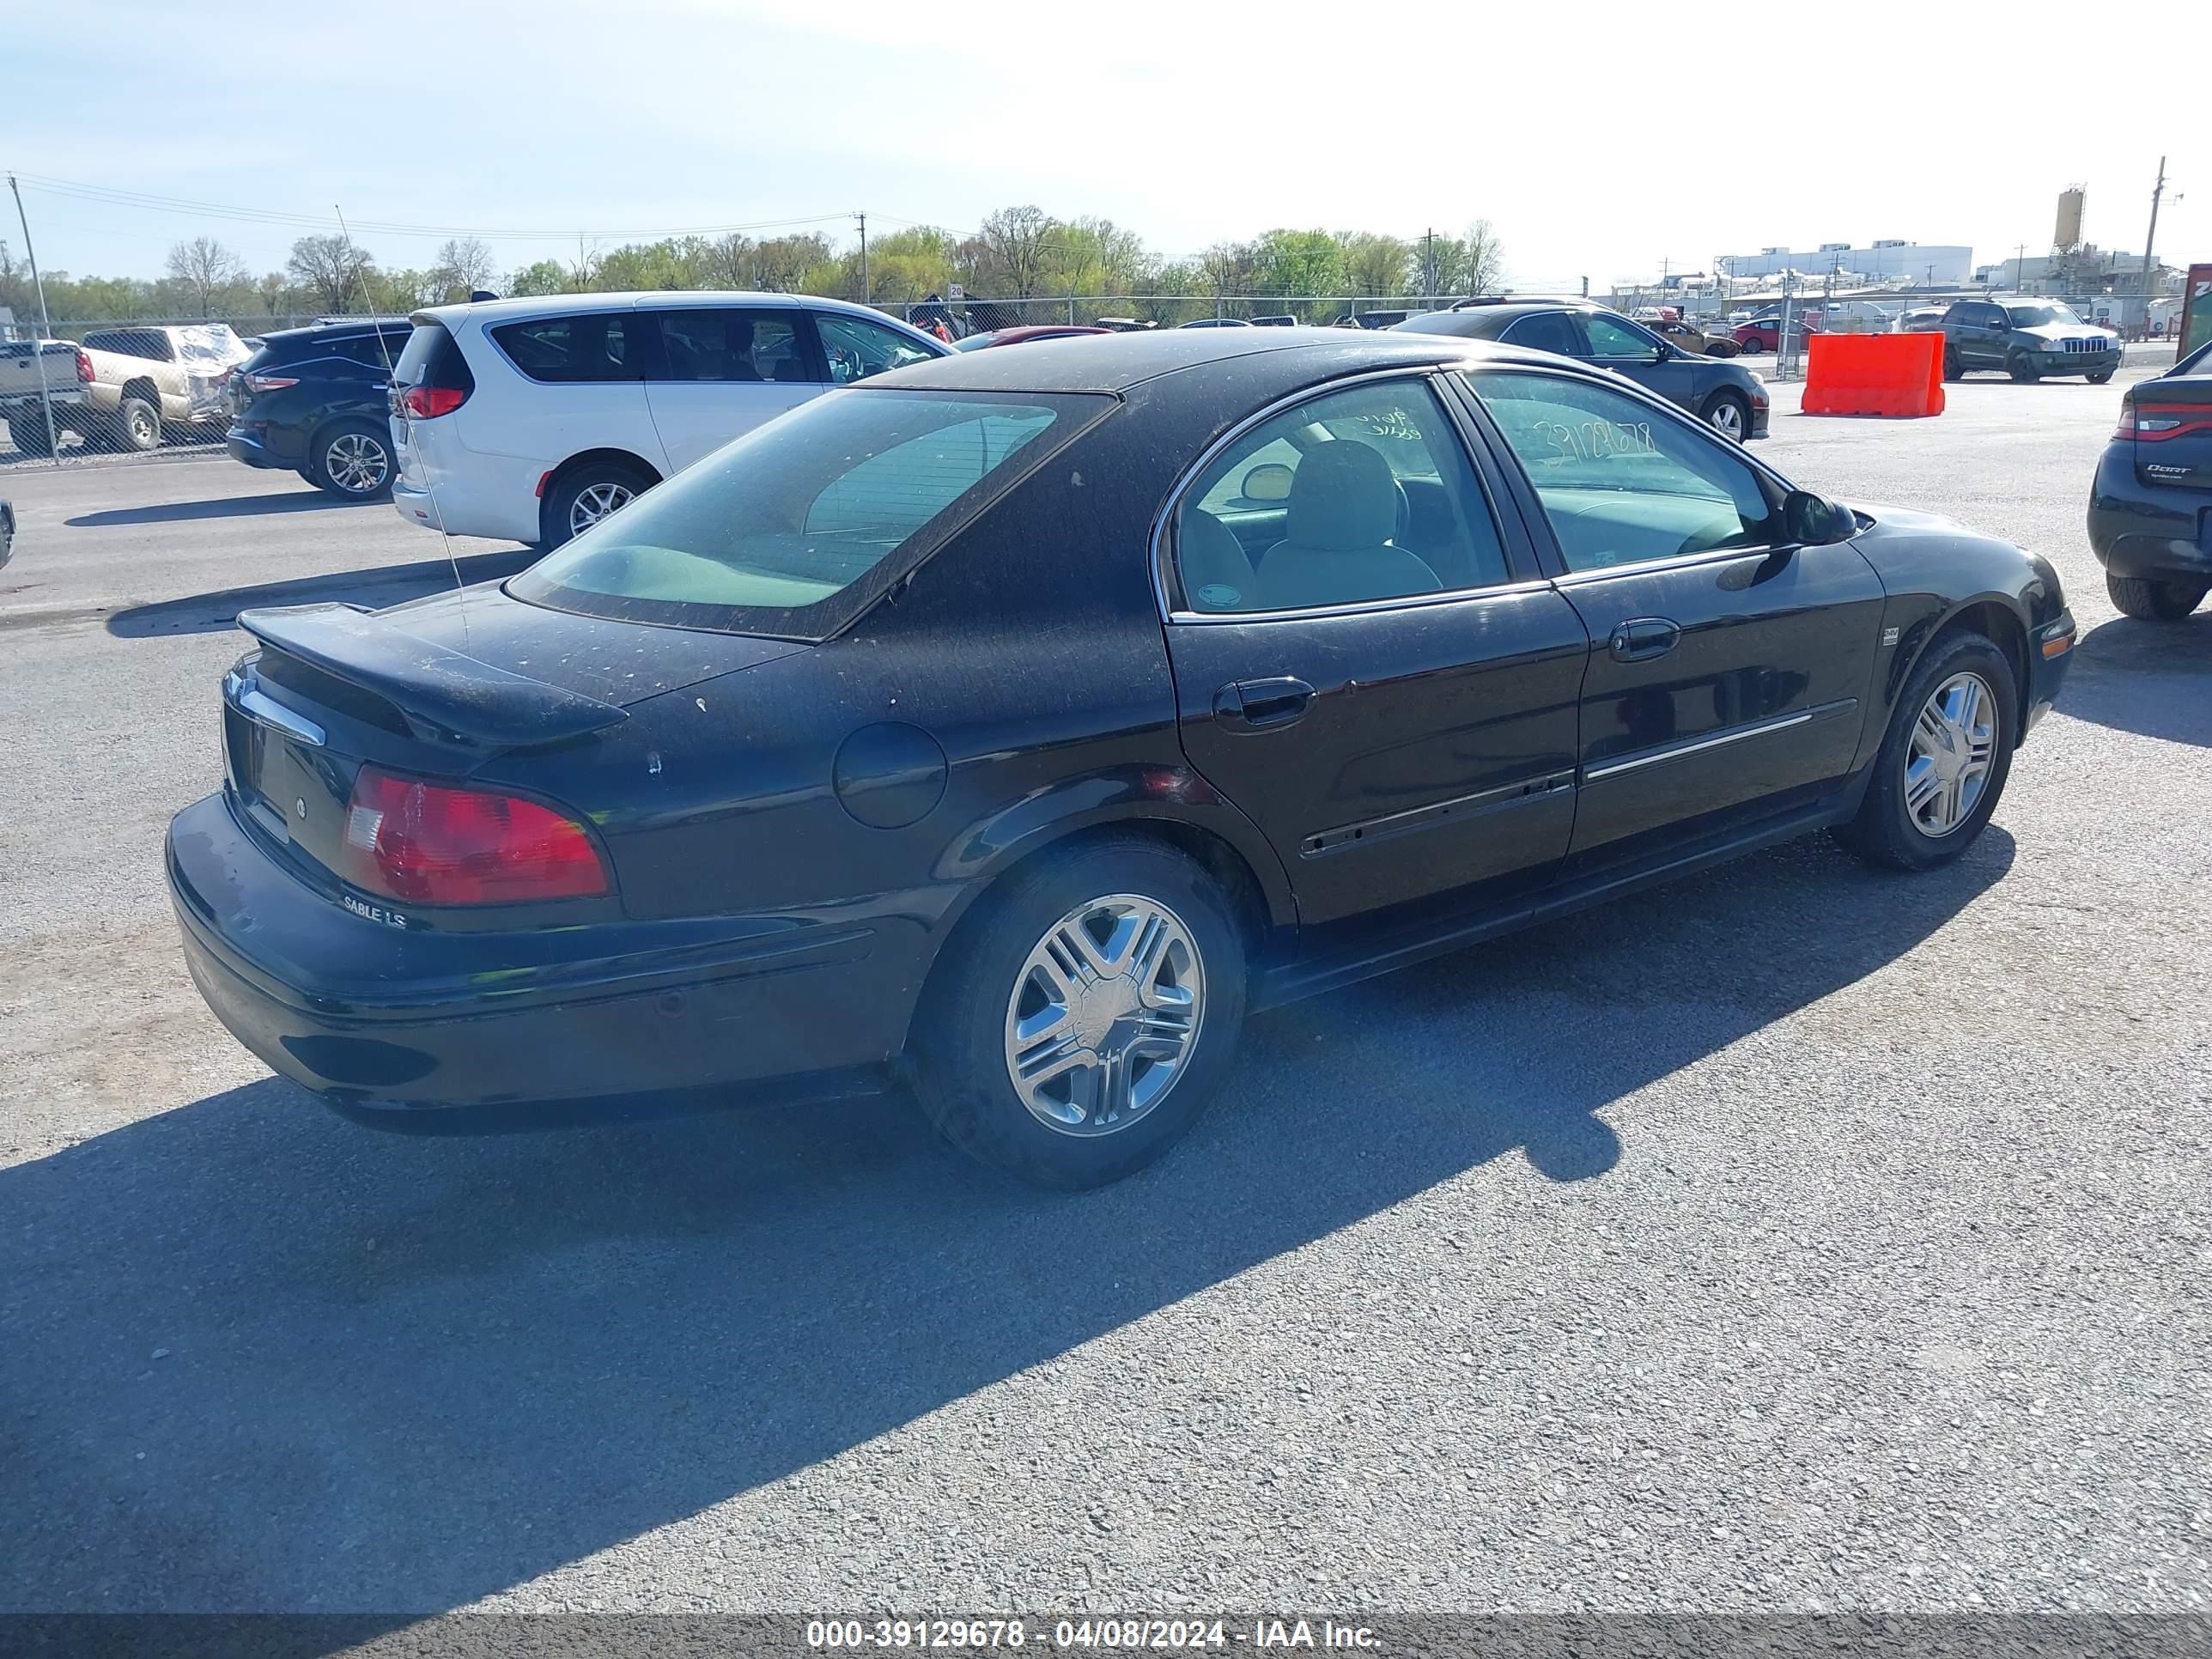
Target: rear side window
796,527
1548,331
709,343
132,342
596,345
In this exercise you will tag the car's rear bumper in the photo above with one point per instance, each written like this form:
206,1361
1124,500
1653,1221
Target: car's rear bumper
467,1031
246,445
2160,533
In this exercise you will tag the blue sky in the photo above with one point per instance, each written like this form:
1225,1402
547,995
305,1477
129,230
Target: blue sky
1596,141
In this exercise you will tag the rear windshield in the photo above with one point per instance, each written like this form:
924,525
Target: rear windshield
797,526
433,358
130,342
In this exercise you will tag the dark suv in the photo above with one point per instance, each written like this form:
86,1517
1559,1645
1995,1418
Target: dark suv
315,401
1725,395
2028,339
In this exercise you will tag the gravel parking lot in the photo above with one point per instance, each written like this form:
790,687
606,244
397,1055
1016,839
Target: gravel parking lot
1796,1236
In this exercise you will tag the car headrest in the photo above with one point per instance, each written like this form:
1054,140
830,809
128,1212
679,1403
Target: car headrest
1343,498
1216,574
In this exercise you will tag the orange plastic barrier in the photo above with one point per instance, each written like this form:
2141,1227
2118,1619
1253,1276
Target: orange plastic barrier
1893,374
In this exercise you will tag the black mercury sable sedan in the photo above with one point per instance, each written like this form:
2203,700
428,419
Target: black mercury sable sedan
1015,724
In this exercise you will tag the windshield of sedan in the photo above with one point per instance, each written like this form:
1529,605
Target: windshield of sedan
2043,316
797,526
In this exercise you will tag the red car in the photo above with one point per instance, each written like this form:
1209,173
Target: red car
1005,337
1760,333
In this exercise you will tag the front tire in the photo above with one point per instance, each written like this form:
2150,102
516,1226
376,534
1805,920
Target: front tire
1944,759
2099,377
2154,601
1954,368
1728,414
352,461
584,496
1084,1020
2020,369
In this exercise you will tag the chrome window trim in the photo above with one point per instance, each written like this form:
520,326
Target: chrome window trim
1359,607
1733,734
1163,520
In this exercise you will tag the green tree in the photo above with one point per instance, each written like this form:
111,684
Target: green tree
538,278
1294,263
1374,266
781,263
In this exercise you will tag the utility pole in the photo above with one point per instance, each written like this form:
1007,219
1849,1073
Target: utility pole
45,322
863,218
2149,236
1428,264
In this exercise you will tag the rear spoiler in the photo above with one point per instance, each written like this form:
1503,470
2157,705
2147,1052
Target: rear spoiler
443,694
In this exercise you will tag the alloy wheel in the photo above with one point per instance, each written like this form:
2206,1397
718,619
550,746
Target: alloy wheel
593,502
1946,764
141,426
356,463
1104,1015
1728,419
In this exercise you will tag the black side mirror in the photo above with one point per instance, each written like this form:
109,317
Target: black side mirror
1811,520
1662,352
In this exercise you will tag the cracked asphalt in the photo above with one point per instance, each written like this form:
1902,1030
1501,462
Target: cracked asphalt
1793,1238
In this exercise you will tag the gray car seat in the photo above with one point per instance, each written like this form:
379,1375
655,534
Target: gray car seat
1216,575
1336,549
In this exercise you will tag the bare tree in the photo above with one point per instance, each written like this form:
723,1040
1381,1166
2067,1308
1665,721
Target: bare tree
1020,244
331,269
1484,267
466,264
730,261
206,266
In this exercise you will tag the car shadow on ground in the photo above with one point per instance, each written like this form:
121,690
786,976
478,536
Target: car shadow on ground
253,1358
2151,677
391,583
221,507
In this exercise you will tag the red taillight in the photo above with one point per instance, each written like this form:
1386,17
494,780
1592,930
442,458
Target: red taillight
426,403
84,366
2156,423
269,382
428,844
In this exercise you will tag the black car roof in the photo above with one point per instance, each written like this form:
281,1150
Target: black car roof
284,337
1265,360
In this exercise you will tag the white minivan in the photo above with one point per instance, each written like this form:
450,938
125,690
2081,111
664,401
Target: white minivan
527,420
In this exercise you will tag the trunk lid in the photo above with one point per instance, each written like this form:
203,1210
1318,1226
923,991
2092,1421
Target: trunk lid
433,688
2170,421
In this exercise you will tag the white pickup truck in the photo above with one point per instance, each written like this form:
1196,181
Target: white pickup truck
121,387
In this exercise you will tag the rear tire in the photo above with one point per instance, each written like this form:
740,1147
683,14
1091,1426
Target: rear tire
2154,601
1893,827
1179,1007
352,461
2020,369
581,498
137,426
31,435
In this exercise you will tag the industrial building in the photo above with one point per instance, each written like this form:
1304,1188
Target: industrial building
1921,265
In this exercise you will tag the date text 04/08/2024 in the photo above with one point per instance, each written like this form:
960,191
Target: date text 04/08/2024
1111,1634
